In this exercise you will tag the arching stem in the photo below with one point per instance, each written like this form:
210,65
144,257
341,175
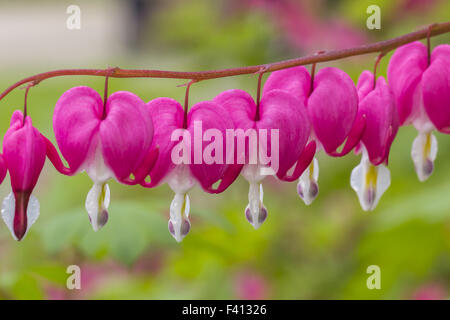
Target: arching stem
382,46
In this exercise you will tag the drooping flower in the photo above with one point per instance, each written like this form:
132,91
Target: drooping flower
186,157
332,104
24,157
274,136
107,140
421,88
371,177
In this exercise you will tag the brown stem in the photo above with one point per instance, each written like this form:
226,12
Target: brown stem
375,67
313,73
25,109
258,90
105,97
382,46
430,27
186,102
109,73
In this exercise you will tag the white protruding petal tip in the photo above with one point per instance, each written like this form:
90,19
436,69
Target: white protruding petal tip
179,224
307,187
8,212
256,212
256,218
97,203
423,153
369,183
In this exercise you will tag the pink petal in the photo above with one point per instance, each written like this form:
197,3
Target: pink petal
126,133
230,175
405,71
303,162
24,153
55,159
436,88
365,84
378,106
76,121
242,110
353,139
145,167
280,110
296,81
167,115
3,169
210,115
332,107
241,107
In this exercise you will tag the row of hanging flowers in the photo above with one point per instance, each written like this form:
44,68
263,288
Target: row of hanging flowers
123,138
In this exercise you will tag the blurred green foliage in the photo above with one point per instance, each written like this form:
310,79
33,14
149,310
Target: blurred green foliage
321,251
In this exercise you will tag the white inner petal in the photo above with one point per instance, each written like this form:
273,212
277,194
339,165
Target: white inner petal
180,180
256,212
95,166
423,153
308,186
8,211
254,172
419,116
97,203
369,182
179,224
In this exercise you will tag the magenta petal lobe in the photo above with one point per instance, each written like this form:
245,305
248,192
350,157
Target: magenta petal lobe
76,120
436,88
405,71
208,120
3,169
378,107
126,133
332,107
167,116
296,81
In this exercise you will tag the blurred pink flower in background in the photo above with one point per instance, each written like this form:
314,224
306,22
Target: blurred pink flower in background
418,5
150,263
304,28
93,276
430,291
250,286
56,293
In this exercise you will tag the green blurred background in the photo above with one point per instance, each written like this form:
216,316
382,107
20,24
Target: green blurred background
300,252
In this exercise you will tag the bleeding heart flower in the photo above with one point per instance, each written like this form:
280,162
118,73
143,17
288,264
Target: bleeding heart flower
332,105
184,158
24,157
280,116
422,93
371,177
110,140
